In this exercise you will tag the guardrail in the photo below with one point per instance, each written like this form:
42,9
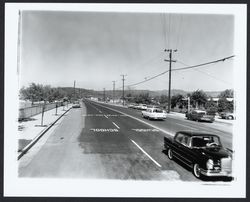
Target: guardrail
28,112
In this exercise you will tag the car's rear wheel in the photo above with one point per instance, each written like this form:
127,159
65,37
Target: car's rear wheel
197,170
170,154
230,117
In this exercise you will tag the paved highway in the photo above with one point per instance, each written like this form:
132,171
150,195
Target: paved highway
108,142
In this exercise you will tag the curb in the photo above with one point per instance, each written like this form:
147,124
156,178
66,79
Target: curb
31,144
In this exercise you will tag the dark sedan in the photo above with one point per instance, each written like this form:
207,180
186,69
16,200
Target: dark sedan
202,152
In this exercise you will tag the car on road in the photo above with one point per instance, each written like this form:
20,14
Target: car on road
202,152
142,107
154,113
199,115
76,104
131,105
227,115
135,106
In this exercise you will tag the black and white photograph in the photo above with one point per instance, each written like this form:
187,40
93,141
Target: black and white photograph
125,100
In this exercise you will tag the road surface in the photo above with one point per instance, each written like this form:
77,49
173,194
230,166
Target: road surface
99,141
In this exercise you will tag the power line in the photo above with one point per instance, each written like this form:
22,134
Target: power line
179,32
188,67
169,30
164,29
203,64
207,74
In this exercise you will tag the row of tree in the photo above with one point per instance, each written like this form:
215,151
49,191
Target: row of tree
199,99
38,92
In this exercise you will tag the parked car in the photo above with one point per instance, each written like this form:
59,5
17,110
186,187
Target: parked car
142,107
135,106
227,115
199,115
202,152
76,104
131,105
154,113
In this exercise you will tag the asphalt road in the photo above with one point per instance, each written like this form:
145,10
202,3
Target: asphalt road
98,142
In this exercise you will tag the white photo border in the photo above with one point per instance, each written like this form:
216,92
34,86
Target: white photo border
14,186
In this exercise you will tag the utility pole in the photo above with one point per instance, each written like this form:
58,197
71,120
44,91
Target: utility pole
113,91
74,90
123,75
169,80
104,97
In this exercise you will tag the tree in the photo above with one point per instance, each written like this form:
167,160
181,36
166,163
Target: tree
198,98
223,103
228,93
163,99
225,106
33,93
143,98
211,107
177,100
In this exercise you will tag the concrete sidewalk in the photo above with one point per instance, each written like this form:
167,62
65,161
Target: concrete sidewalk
31,128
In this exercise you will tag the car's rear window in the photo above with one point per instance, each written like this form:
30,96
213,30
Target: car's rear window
158,111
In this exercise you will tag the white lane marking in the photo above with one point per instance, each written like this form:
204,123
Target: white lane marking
146,130
116,125
104,130
146,154
106,116
162,130
186,126
113,115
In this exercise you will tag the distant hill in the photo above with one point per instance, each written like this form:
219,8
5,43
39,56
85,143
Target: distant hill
118,93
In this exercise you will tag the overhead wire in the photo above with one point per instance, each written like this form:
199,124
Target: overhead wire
179,69
207,63
205,73
169,30
164,29
179,32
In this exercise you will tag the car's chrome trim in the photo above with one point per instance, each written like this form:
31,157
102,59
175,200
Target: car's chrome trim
216,173
189,165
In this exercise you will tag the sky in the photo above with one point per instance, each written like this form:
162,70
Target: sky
96,48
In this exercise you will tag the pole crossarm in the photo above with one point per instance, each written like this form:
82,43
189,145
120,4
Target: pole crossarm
171,60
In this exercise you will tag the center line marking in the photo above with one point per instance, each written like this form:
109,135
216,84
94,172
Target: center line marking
106,116
116,125
146,153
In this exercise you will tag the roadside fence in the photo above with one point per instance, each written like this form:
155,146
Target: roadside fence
28,112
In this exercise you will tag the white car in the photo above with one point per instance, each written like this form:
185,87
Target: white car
142,107
154,113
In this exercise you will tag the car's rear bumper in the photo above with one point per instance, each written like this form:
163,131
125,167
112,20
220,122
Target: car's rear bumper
158,118
215,173
207,119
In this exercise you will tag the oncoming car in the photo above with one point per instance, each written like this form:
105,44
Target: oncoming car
76,104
